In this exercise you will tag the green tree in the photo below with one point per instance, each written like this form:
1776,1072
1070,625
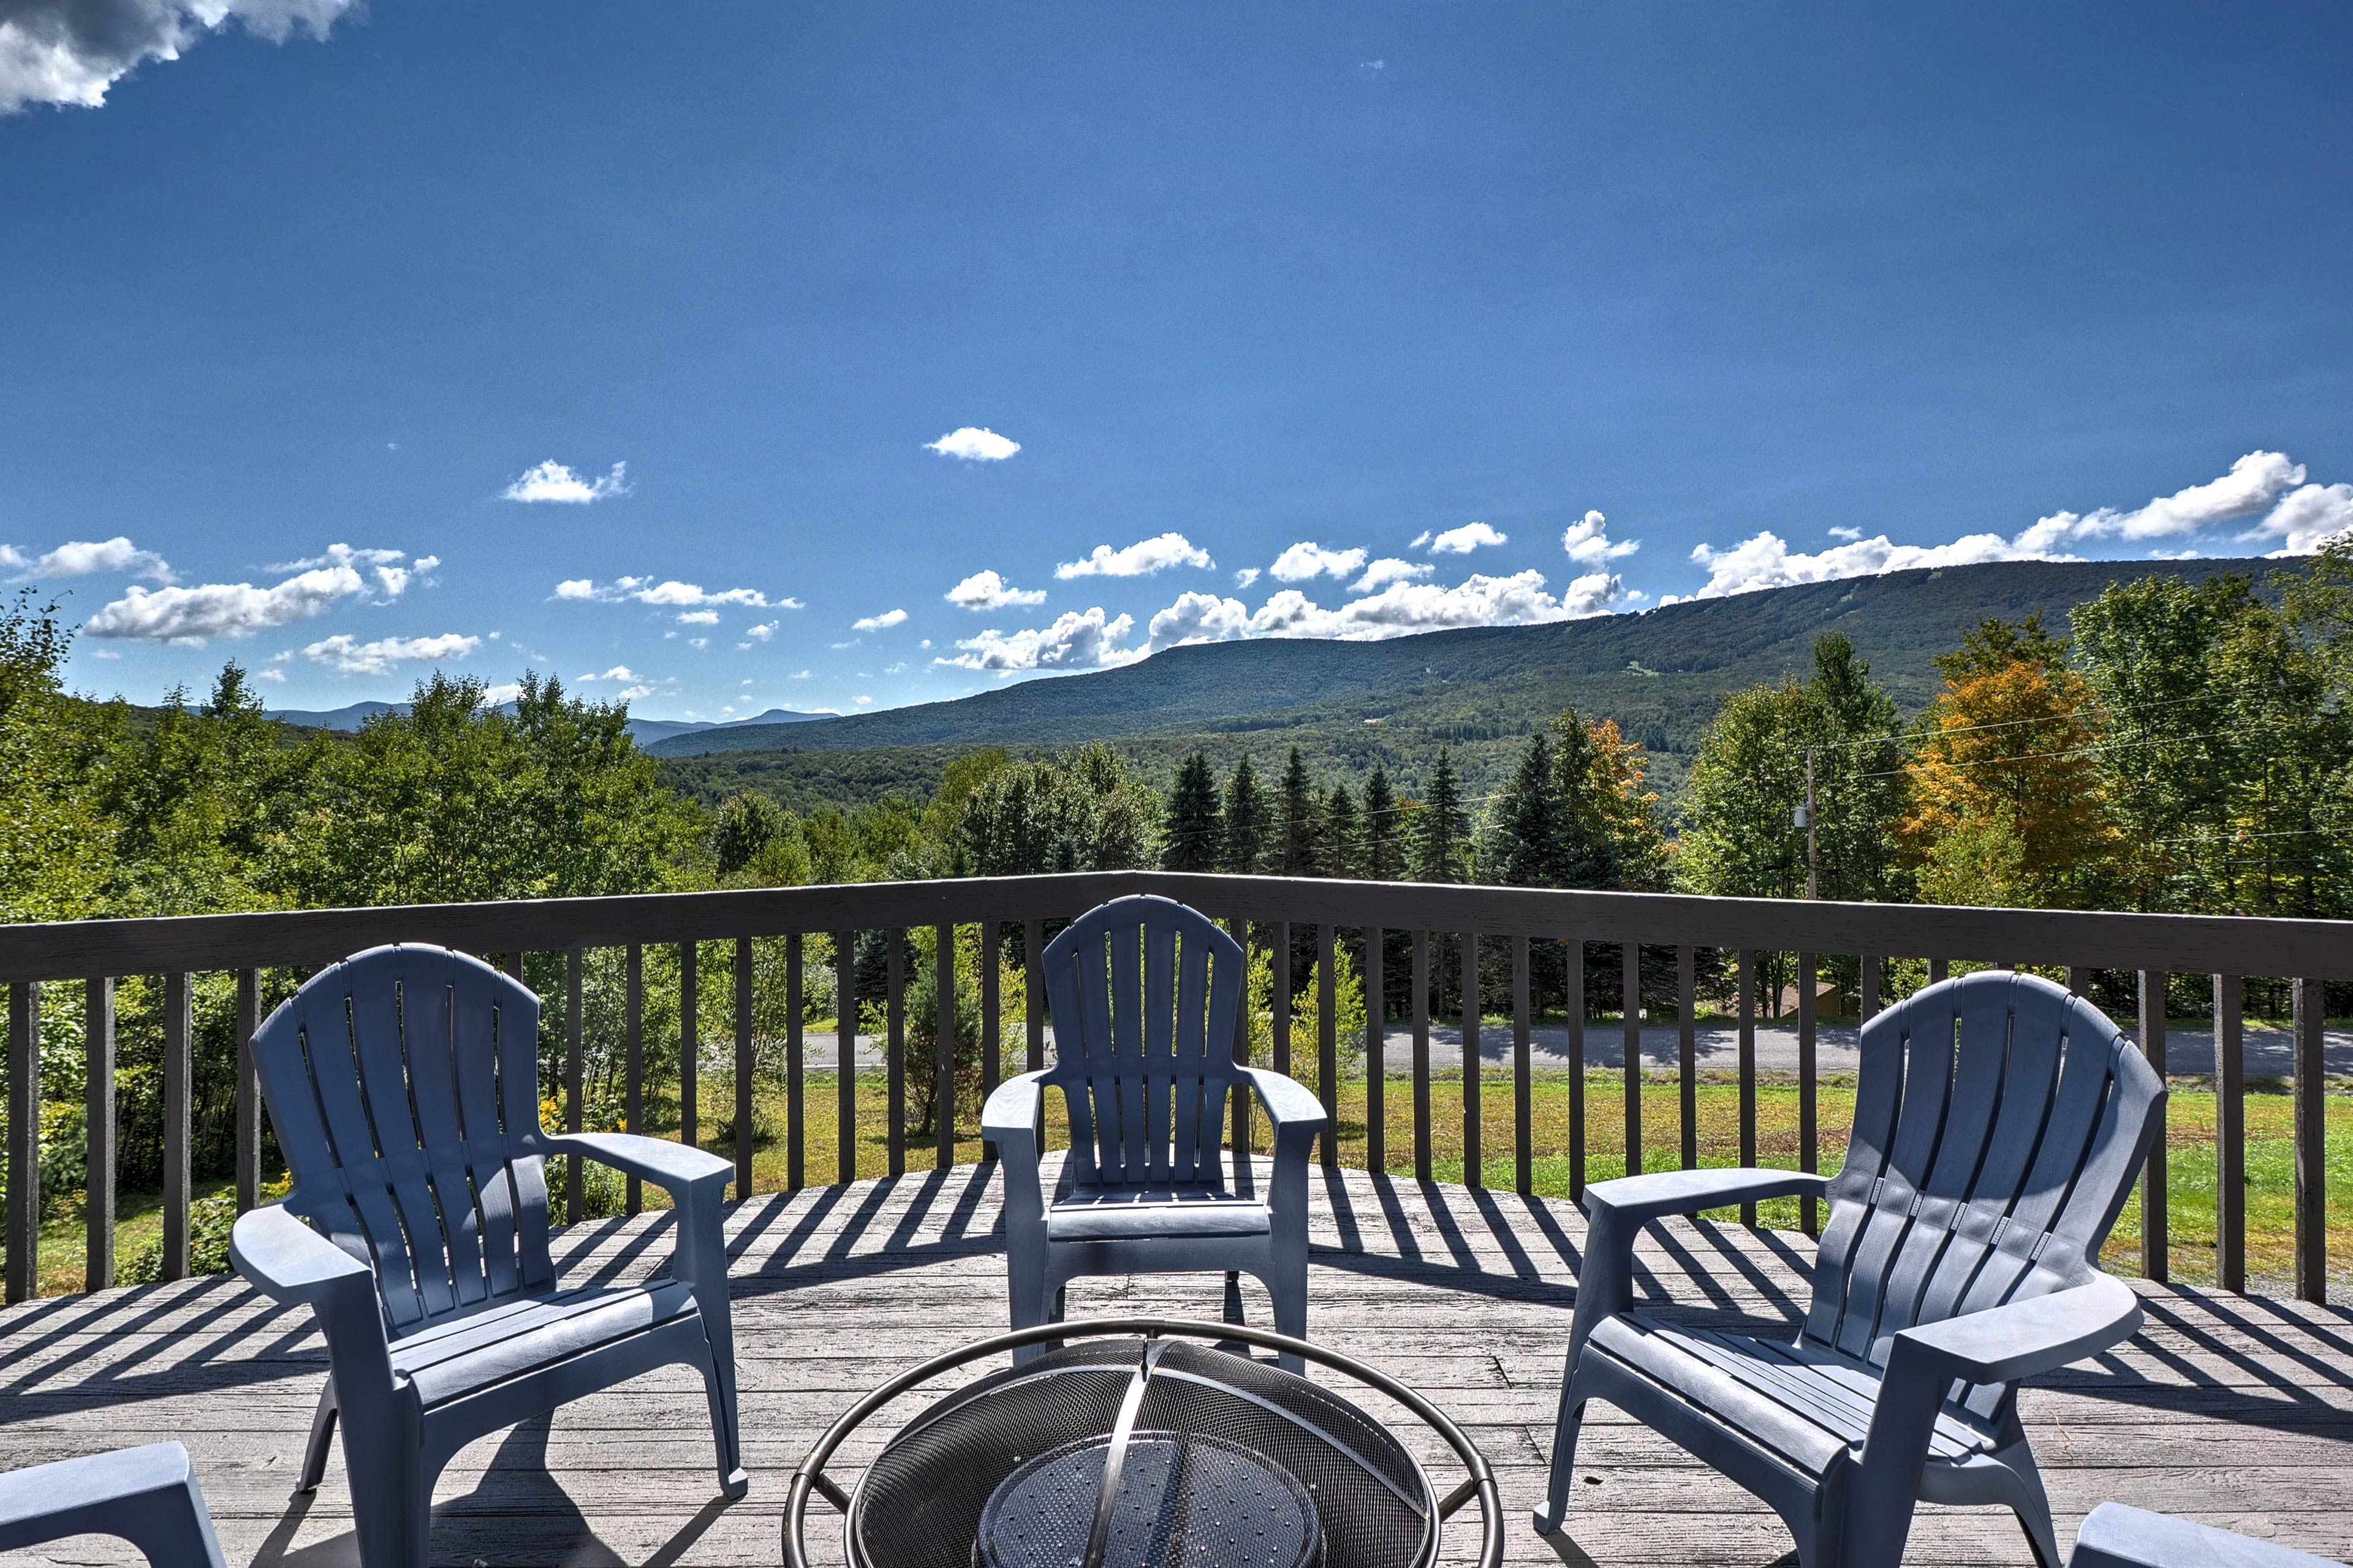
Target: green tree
1191,837
746,830
1525,846
1244,823
1341,850
56,847
1085,811
1383,837
1295,835
1442,827
1859,779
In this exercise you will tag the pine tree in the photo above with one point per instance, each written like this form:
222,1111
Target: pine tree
1442,830
1244,822
1586,860
1384,844
1338,849
1295,835
1193,840
1527,838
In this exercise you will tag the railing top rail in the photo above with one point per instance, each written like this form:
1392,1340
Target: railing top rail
2098,939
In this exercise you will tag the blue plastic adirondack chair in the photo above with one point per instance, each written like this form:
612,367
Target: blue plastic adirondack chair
148,1496
1145,992
404,1086
1999,1125
2114,1536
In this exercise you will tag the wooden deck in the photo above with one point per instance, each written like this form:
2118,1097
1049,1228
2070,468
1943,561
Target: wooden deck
2237,1411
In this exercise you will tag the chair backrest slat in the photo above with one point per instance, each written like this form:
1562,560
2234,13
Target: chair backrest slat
1142,991
1999,1125
404,1086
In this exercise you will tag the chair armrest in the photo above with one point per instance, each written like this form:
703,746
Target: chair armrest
290,1261
676,1168
1288,1102
1637,1199
2114,1536
67,1486
2022,1339
1010,1117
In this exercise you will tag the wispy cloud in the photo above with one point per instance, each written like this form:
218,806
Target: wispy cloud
349,656
974,444
1075,641
1306,559
70,52
881,623
552,482
1463,540
669,593
392,577
191,614
84,558
698,619
1401,608
1141,559
762,632
985,590
1388,569
1246,575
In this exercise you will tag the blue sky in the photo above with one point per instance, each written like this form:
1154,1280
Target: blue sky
1306,321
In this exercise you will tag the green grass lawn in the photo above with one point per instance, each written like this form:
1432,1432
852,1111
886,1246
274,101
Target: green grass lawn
2191,1172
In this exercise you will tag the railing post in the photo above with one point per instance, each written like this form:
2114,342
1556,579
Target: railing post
24,1140
992,1021
2155,1250
99,1120
894,1042
1809,1089
690,1043
633,1064
575,1088
744,977
1746,1061
1473,1062
1376,1040
845,1055
1867,1004
178,1183
1687,1048
1630,983
2311,1145
944,1109
1421,1056
1574,1001
796,1046
1327,1045
1278,973
2230,1136
248,1092
1522,1114
1033,981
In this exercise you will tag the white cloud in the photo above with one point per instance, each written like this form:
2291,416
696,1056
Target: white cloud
1419,539
1245,576
698,642
632,693
392,579
985,590
898,669
1463,540
552,482
882,622
72,51
762,632
84,557
799,675
974,444
1587,542
191,614
1141,559
669,593
498,696
1398,609
618,672
1845,532
1074,641
349,656
698,619
862,702
1199,617
274,676
1306,560
2302,517
1388,569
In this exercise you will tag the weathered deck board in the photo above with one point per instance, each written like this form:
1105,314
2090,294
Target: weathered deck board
2235,1410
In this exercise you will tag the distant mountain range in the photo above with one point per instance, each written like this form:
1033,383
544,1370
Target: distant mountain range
1661,675
643,731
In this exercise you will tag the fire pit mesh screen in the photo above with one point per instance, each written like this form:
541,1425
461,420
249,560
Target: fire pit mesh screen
1220,1450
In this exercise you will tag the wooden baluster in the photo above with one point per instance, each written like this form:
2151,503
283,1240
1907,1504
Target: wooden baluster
894,1047
944,1097
2230,1136
1033,979
1474,1064
98,1118
633,1063
1687,1048
2311,1145
25,1140
1278,975
745,972
2079,979
1574,1001
1629,982
1377,1007
1938,968
1867,1005
690,1044
248,1092
2156,1251
1245,1172
845,1055
1327,1047
795,1067
1808,1111
178,1180
1747,1065
1523,1113
992,1022
1421,1056
574,1090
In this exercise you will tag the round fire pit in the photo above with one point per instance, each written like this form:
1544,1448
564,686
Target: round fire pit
1135,1444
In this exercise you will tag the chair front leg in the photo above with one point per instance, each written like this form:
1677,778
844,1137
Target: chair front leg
699,1259
1605,1286
1886,1487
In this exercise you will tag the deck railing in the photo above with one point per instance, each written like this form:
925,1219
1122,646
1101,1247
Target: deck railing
1645,929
